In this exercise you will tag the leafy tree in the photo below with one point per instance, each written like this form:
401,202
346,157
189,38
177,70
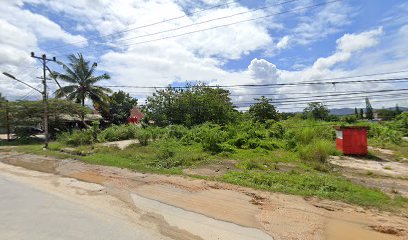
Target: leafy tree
30,113
316,110
356,112
369,110
263,110
190,106
397,110
82,81
119,106
361,113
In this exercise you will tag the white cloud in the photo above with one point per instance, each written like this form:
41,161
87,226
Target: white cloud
283,42
260,69
347,45
198,56
356,42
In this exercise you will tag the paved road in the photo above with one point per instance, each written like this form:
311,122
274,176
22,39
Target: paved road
27,213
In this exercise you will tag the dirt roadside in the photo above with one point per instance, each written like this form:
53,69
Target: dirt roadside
185,208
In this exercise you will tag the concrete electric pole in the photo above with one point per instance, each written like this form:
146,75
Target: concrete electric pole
44,61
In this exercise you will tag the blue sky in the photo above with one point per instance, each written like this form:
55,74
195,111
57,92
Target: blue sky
341,38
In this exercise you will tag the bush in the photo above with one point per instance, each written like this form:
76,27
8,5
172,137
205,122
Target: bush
276,130
383,135
77,137
318,151
23,133
177,131
171,154
143,136
270,144
306,135
118,132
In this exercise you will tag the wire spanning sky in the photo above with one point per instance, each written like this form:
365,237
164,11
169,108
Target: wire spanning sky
162,42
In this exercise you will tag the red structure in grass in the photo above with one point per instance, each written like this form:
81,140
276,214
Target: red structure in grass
352,140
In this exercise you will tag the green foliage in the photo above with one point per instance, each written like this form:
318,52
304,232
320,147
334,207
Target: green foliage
317,151
388,114
118,108
177,131
350,119
361,114
317,111
191,106
31,113
80,75
212,137
401,123
119,132
77,137
383,135
312,184
23,132
263,110
143,136
369,110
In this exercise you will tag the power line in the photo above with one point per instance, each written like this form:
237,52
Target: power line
144,26
206,21
334,100
316,82
224,25
339,94
332,104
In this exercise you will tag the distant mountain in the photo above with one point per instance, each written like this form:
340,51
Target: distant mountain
341,111
347,111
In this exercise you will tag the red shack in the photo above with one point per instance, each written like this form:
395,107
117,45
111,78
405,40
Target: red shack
136,115
352,140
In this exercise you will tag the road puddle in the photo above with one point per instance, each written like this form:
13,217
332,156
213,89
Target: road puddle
37,163
341,230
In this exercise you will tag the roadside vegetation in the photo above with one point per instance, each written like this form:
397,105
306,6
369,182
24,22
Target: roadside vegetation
199,125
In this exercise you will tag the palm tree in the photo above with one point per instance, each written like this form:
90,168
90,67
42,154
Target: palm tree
81,78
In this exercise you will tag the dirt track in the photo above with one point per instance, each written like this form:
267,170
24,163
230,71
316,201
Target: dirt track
169,201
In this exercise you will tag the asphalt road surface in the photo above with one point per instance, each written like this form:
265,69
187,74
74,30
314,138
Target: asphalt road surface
28,213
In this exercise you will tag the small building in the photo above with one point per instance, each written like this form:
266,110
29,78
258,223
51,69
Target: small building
352,140
136,115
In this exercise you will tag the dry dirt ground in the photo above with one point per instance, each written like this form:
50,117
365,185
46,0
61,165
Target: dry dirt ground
381,172
186,208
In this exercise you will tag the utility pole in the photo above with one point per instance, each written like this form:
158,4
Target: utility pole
7,120
44,61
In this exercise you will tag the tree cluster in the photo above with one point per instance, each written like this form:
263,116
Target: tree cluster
192,105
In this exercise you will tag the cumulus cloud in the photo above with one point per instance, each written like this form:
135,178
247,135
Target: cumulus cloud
260,69
347,45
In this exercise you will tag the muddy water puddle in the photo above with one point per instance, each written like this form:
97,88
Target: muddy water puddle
32,162
341,230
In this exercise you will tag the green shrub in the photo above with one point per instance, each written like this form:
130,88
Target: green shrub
177,131
118,132
77,137
317,151
143,136
23,133
170,153
270,144
276,130
239,140
383,135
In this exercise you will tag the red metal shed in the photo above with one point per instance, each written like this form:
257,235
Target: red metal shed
352,140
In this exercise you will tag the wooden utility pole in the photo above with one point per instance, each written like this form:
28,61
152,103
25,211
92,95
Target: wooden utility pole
44,61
